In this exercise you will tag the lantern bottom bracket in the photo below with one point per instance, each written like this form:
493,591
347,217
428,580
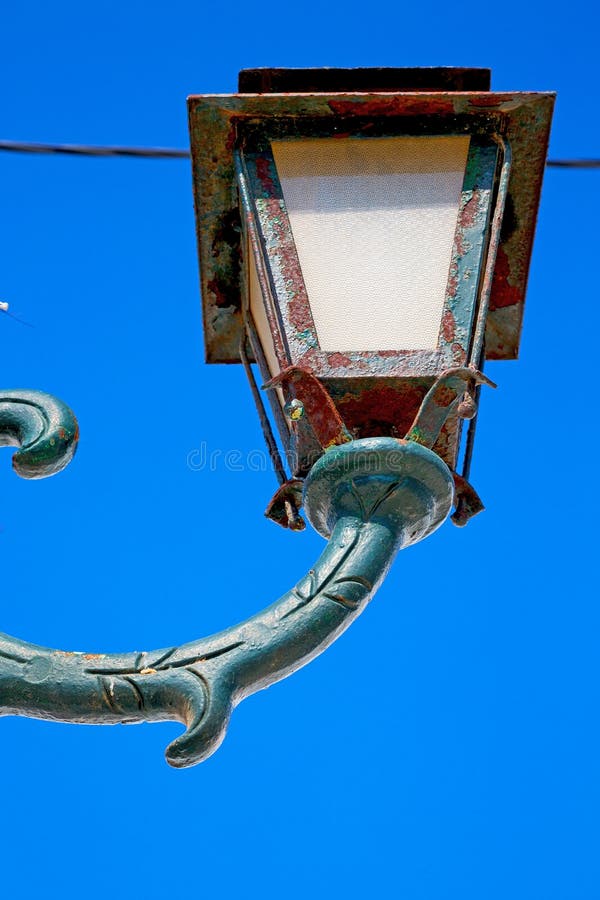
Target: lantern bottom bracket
369,497
452,393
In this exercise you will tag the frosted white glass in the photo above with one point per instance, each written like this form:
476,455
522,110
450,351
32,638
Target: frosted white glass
259,316
373,221
257,308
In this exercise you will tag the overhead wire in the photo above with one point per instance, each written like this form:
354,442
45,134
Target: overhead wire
573,163
176,153
84,150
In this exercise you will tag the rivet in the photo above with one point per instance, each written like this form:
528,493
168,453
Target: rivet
294,409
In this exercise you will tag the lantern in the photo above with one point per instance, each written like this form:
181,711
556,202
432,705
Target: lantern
367,230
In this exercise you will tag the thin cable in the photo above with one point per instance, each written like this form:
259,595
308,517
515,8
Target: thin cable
81,150
174,153
4,311
573,163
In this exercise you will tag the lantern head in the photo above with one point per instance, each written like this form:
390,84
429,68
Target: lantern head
365,231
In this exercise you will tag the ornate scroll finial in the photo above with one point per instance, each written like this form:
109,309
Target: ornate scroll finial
44,429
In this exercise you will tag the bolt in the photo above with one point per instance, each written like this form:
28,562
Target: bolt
467,408
294,409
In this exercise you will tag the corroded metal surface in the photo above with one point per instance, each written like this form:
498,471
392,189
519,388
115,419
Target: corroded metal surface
284,506
442,401
454,395
369,498
319,408
216,123
468,503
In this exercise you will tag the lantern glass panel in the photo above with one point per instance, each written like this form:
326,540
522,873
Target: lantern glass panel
259,315
373,221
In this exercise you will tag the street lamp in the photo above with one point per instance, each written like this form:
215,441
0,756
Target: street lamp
364,237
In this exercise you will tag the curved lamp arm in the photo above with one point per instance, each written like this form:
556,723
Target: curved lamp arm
368,497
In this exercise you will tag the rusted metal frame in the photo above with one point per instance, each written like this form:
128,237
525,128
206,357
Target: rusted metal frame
284,507
261,185
251,239
477,352
268,221
301,446
261,252
217,229
468,253
287,283
316,404
478,340
300,441
443,400
524,118
526,129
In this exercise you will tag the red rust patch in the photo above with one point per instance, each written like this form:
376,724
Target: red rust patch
470,211
395,106
338,359
448,325
298,307
221,297
493,100
318,405
263,171
376,411
231,140
444,395
504,294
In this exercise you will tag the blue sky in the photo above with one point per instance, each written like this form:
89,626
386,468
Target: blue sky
447,746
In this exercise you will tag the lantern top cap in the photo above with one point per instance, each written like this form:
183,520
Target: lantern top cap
363,80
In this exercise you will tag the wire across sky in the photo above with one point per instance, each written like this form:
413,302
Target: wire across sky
175,153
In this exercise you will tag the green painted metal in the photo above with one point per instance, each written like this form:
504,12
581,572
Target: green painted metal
368,497
43,427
